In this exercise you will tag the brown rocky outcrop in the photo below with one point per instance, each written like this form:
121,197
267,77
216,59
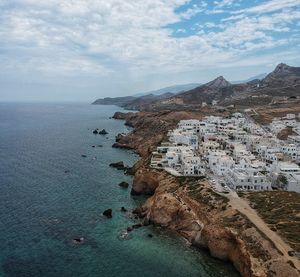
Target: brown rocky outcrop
124,185
120,115
150,128
144,182
204,218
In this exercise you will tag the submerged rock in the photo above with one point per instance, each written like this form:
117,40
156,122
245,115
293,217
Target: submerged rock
83,156
150,235
108,213
78,240
118,165
103,132
136,226
124,185
123,209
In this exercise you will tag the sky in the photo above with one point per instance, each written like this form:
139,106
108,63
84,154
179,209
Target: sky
80,50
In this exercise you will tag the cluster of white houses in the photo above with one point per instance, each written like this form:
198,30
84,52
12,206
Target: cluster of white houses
236,150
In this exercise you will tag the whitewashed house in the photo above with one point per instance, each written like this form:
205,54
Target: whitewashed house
239,179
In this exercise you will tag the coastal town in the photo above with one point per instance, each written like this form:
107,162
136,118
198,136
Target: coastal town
234,153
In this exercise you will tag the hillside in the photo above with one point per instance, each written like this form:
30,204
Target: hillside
145,98
281,85
170,89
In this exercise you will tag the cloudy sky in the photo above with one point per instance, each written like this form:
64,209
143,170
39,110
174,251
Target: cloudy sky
84,49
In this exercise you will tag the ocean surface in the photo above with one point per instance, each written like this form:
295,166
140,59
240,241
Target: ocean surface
50,194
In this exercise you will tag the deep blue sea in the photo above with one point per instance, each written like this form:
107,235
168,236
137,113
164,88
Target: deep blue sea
50,194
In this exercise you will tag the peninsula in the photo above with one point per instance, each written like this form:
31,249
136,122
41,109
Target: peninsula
220,164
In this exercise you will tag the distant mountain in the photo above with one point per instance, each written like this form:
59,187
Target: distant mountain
205,93
283,83
256,77
119,101
280,85
171,89
218,83
131,102
283,75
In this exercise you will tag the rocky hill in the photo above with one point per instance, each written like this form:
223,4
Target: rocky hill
146,98
283,84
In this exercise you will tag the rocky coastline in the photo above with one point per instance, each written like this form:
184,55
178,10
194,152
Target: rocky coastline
189,207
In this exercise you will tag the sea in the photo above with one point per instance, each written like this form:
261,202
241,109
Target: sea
50,195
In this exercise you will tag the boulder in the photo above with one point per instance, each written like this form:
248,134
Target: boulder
118,165
78,240
138,225
120,115
124,185
103,132
123,209
119,137
108,213
95,132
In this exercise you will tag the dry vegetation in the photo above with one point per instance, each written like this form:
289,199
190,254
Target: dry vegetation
265,114
281,211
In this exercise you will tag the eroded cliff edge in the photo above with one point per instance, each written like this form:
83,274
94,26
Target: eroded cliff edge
189,207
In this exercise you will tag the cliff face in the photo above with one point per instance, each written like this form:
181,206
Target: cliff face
189,207
206,220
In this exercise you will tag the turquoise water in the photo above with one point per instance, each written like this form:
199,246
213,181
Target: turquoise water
42,208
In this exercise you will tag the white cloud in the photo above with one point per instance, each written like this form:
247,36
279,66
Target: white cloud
223,3
271,6
100,37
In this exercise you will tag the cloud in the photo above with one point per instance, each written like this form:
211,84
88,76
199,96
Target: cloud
134,37
270,6
223,3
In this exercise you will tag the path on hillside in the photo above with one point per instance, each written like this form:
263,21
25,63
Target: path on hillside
242,206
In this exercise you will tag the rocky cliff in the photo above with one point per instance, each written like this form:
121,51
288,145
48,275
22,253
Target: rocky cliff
189,207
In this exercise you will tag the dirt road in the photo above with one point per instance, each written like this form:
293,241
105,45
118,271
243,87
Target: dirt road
242,206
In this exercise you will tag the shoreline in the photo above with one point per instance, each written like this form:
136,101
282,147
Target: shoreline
189,207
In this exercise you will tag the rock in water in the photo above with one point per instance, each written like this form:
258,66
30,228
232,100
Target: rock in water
95,132
136,226
118,165
123,210
83,156
124,185
103,132
78,240
129,229
108,213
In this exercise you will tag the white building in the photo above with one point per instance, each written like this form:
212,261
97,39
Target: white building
239,179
